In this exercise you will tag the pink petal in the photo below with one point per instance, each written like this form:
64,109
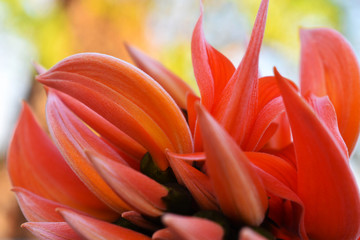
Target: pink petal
51,230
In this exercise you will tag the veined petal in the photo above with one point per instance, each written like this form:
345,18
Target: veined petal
175,86
73,137
236,107
44,171
52,230
212,69
329,67
36,208
103,127
139,191
193,228
195,181
144,111
238,188
93,229
326,184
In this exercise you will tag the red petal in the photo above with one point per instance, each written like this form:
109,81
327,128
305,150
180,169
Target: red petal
73,137
236,108
44,171
176,87
139,191
329,67
164,234
326,184
193,228
212,69
238,188
51,230
144,111
196,182
93,229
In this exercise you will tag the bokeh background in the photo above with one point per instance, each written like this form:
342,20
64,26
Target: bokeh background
46,31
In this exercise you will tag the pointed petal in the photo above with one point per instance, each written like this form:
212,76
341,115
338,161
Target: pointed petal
137,219
103,127
195,181
144,111
73,137
247,233
44,171
36,208
236,108
325,180
239,190
191,101
329,67
51,230
139,191
93,229
38,67
175,86
212,69
193,228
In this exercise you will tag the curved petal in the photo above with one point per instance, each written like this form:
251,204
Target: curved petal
52,230
239,190
195,181
137,219
93,229
236,108
326,184
193,228
175,86
139,191
212,69
73,137
329,67
164,234
36,208
247,233
44,171
103,127
144,111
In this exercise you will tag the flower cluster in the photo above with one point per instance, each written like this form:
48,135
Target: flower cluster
136,154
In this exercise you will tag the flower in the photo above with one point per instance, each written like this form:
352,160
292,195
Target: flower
252,158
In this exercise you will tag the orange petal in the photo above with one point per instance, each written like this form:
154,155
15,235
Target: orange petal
191,100
195,181
44,171
175,86
212,69
139,191
238,188
329,67
326,184
193,228
73,137
36,208
247,233
93,229
51,230
144,111
236,107
103,127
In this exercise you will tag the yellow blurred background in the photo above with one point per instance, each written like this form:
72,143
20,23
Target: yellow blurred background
47,31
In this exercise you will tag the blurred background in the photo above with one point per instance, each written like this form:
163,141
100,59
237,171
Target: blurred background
46,31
